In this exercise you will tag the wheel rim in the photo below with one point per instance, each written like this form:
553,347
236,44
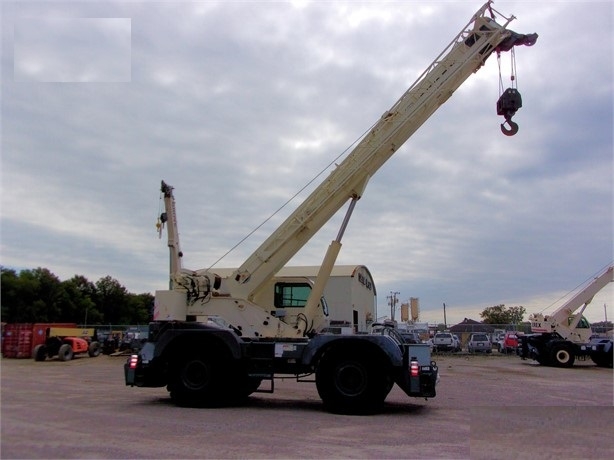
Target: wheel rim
351,379
195,375
563,356
65,353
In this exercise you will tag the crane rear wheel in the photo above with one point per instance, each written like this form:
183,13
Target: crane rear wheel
209,378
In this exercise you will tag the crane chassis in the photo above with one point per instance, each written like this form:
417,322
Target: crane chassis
558,339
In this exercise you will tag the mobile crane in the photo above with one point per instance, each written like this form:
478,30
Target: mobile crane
212,342
558,339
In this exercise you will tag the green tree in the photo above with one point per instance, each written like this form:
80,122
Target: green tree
494,315
78,304
9,281
138,309
19,291
500,314
31,296
111,300
516,314
50,295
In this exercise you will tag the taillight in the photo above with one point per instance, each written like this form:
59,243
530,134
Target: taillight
414,369
134,359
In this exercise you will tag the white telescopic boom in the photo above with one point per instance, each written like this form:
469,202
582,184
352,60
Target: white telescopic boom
463,56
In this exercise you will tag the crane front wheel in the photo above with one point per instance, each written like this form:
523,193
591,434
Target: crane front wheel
352,383
603,359
562,355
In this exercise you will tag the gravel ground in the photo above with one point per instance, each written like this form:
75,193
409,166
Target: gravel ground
491,406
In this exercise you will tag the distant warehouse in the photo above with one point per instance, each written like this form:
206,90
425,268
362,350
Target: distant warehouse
350,294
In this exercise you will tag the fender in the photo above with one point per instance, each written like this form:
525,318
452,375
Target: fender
318,344
165,334
150,367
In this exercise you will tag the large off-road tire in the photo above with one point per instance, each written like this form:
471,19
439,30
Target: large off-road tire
196,381
40,352
94,349
562,355
543,360
209,378
603,359
65,353
352,382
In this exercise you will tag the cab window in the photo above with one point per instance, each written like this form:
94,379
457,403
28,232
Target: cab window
291,295
582,324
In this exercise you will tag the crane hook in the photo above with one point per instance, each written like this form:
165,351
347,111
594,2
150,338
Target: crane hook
508,104
513,129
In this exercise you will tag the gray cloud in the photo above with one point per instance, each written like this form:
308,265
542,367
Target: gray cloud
238,105
56,49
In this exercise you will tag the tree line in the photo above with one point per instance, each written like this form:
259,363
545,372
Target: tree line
39,296
500,314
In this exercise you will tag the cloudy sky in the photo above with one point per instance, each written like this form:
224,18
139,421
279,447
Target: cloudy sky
238,105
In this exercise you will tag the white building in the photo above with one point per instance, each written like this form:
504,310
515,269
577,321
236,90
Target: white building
350,294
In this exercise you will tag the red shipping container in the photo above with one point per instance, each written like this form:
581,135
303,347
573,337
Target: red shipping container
17,341
3,325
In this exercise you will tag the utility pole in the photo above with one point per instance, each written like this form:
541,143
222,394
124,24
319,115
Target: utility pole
392,301
445,321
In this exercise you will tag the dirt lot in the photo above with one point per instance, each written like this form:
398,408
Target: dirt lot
488,407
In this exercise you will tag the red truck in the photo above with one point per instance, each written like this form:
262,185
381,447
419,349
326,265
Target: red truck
509,343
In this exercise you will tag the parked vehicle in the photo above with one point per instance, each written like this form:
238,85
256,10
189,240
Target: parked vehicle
133,339
479,342
65,342
112,341
561,337
446,341
509,343
407,335
498,335
410,337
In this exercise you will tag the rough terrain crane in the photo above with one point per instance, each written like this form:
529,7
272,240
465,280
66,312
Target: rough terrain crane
558,339
211,342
